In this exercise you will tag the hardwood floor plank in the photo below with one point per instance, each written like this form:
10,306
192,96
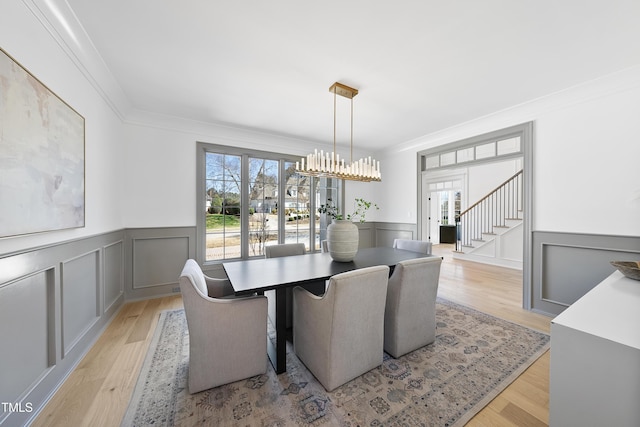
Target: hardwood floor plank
489,417
112,399
520,417
69,405
143,323
100,358
527,393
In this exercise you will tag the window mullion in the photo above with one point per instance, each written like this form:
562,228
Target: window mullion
313,182
244,207
282,188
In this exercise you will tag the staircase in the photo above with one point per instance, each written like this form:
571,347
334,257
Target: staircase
490,231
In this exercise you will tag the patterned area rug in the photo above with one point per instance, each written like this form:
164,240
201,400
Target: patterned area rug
475,356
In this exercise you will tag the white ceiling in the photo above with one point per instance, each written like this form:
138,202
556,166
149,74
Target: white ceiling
420,66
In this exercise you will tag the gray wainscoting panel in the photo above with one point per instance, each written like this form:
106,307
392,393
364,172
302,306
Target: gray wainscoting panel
25,328
154,259
113,255
376,234
80,292
386,232
568,265
50,315
366,235
581,280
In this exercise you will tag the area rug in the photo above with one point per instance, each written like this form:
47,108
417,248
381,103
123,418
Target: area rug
475,357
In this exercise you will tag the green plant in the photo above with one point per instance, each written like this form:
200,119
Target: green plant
330,209
362,206
216,204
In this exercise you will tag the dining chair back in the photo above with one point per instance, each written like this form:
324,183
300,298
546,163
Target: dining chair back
285,249
409,316
227,337
281,250
339,336
420,246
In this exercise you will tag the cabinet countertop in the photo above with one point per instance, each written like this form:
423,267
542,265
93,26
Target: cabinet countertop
610,310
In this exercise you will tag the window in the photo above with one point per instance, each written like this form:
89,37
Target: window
444,207
508,146
298,207
465,155
327,188
486,151
249,199
471,152
448,196
263,204
223,206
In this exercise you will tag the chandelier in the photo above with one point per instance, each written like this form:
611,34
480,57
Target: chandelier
330,165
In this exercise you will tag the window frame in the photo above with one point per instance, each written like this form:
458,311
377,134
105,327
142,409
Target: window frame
202,148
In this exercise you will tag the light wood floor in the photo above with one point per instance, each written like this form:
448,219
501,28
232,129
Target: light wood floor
98,391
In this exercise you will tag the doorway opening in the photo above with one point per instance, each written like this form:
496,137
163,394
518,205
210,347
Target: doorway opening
513,144
442,200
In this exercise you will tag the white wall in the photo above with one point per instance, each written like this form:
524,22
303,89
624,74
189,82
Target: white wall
398,189
588,174
28,41
585,173
161,178
486,177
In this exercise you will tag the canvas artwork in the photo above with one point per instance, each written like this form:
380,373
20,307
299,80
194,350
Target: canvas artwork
41,156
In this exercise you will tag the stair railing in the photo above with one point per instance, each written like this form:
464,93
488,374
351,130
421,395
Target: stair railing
493,210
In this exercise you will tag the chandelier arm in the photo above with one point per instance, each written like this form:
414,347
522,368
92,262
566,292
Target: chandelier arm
335,96
351,153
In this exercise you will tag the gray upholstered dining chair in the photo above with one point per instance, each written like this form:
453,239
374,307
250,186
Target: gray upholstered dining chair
420,246
275,251
410,316
287,249
339,336
227,336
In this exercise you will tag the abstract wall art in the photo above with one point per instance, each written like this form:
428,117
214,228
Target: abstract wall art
42,156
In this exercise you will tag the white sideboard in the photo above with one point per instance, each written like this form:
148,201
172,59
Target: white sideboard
595,358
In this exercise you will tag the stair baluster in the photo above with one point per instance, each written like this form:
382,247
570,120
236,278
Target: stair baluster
493,210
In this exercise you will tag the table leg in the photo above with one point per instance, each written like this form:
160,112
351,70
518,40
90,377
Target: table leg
278,352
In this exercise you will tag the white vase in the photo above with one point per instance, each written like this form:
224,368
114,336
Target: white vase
342,240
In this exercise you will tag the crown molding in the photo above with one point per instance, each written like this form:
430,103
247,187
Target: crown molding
221,133
59,20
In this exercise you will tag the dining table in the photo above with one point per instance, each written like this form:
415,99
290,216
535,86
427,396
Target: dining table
257,275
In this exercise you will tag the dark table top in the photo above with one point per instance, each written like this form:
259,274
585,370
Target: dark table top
261,274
